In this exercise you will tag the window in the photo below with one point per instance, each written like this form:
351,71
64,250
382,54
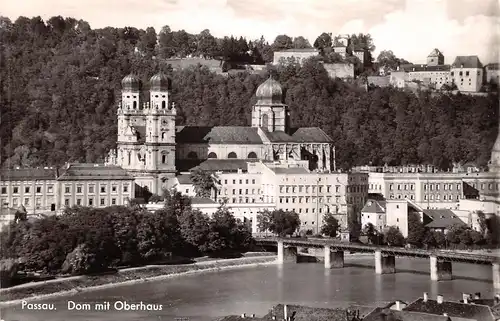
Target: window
253,181
241,181
103,202
38,189
66,201
187,190
4,190
103,189
113,188
78,201
113,201
163,159
66,189
125,188
91,201
91,189
467,73
15,190
14,202
38,201
27,189
78,189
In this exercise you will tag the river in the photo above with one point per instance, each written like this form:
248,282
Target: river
201,297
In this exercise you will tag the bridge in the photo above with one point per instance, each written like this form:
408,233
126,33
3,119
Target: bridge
385,256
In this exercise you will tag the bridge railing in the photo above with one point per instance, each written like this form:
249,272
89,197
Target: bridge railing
394,250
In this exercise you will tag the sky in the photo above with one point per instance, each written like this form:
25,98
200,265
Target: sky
410,28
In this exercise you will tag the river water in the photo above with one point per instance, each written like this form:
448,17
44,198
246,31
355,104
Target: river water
207,296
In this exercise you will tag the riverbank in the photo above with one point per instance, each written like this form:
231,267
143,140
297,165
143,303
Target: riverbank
72,285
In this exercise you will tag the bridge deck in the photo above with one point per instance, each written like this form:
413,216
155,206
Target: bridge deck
396,251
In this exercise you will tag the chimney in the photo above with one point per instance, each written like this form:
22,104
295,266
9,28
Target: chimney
253,315
497,298
398,305
426,297
477,295
439,299
274,317
465,298
285,312
243,316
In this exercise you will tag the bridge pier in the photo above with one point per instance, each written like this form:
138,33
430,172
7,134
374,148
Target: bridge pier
440,270
496,275
333,259
384,264
286,254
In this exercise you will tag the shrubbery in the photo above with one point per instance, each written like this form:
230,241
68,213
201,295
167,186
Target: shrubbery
89,240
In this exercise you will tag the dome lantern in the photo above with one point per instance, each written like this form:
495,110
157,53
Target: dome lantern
131,83
269,92
160,82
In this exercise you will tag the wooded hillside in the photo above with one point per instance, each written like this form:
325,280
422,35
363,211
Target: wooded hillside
60,82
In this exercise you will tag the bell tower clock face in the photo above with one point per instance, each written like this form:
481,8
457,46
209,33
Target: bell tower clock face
164,125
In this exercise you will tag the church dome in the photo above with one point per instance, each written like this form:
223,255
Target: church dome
131,83
269,92
160,82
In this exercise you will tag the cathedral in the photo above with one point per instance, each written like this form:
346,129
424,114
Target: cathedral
153,149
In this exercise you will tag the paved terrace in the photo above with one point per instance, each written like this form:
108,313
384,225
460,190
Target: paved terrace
393,251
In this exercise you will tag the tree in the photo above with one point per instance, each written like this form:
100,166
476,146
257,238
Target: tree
147,42
207,46
416,230
330,225
279,222
195,228
393,237
388,60
371,232
176,203
282,42
301,43
204,182
323,41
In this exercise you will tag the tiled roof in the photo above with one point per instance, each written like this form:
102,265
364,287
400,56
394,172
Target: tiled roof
414,68
373,206
303,313
217,135
467,62
310,135
94,172
493,66
290,171
453,309
278,137
184,179
442,218
28,174
202,200
300,50
435,53
383,314
226,165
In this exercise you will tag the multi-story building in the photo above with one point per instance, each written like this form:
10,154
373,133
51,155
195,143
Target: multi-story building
492,73
34,188
95,185
467,73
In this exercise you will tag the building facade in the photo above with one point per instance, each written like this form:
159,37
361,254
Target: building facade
467,73
297,55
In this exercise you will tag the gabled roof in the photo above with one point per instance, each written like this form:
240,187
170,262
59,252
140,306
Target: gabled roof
28,174
217,135
442,218
202,200
300,50
435,53
289,171
453,309
467,62
303,313
225,165
493,66
184,179
373,206
417,68
310,135
382,314
94,172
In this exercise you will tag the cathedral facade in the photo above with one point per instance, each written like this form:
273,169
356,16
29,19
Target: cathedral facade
153,149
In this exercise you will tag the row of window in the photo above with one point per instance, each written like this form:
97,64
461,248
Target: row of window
232,155
27,202
450,198
446,187
27,189
90,202
247,191
247,181
91,189
400,187
308,199
482,186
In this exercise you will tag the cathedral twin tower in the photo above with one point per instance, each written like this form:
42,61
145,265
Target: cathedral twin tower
146,132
